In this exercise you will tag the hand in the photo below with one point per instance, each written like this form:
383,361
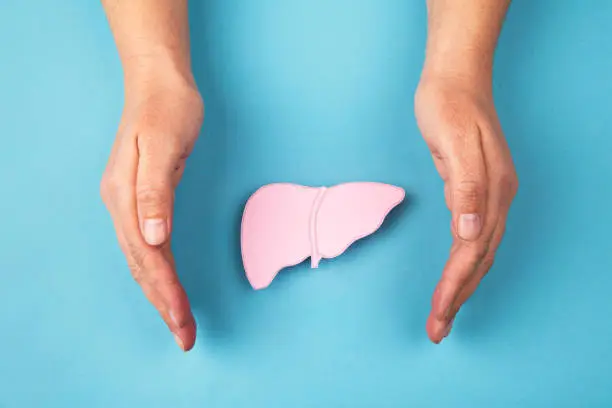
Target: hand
459,124
160,124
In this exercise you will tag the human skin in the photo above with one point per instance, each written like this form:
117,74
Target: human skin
161,120
456,114
163,114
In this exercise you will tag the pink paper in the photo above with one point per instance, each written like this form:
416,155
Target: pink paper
283,224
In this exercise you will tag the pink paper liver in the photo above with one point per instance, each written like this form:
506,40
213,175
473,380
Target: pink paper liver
283,224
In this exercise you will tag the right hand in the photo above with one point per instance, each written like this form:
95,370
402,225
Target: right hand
460,125
161,121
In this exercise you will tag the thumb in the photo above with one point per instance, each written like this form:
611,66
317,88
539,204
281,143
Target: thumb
468,206
468,191
155,191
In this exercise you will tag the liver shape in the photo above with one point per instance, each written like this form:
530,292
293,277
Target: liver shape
283,224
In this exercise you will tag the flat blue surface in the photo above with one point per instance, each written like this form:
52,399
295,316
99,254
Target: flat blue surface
312,92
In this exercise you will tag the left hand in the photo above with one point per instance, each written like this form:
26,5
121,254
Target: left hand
460,125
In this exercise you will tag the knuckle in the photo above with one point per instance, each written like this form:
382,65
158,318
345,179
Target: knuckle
136,271
470,193
477,253
136,258
509,184
151,196
138,254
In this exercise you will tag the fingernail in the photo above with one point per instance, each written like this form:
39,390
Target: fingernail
469,226
155,231
179,342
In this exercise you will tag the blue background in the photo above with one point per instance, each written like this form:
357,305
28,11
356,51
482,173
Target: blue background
313,92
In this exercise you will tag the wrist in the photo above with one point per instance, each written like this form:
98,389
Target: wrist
473,78
162,68
439,89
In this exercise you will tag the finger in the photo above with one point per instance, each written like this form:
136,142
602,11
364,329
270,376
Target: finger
151,267
468,201
461,266
441,329
157,278
464,261
158,159
164,290
502,192
466,196
468,184
505,196
482,270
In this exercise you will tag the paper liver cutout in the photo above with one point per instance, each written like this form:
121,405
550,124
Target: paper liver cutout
283,224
